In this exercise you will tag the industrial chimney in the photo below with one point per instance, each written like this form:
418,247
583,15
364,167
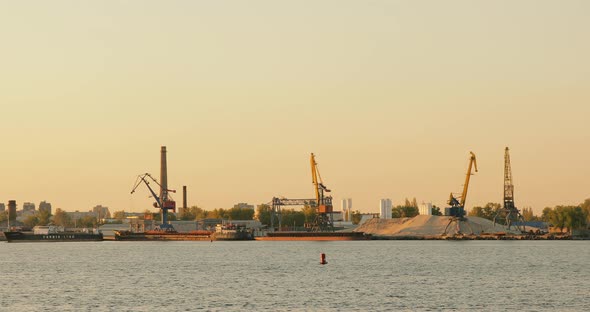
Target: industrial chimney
184,197
11,211
163,176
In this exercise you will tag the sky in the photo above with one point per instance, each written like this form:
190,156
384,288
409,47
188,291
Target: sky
391,96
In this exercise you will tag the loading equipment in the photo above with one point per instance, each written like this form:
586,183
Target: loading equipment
456,211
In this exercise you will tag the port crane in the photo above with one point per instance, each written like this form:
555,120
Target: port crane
324,217
164,201
509,212
323,204
457,209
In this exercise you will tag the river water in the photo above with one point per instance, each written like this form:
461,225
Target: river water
287,276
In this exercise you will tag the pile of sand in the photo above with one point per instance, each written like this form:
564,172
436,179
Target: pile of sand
425,226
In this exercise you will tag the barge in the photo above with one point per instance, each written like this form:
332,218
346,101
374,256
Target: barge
314,236
52,234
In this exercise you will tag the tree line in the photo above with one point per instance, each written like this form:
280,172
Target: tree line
288,217
61,218
571,217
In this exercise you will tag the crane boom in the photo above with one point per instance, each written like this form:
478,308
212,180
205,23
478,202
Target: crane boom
314,178
142,178
472,163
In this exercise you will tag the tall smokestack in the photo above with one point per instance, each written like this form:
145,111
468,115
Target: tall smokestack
11,211
163,176
184,196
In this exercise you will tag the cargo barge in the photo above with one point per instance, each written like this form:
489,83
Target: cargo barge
314,236
49,234
221,234
164,236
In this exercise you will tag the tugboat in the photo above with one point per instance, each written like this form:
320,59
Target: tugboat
52,233
232,232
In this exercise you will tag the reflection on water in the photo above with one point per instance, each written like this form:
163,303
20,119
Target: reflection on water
287,276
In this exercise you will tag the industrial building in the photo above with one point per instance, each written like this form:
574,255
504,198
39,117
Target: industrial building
45,206
425,209
346,205
28,206
385,208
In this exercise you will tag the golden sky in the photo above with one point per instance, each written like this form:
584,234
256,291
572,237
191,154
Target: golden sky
390,95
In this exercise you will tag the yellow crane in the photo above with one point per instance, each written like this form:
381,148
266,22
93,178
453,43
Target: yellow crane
472,164
457,209
323,203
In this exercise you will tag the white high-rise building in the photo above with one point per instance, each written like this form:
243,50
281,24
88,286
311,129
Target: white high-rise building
346,205
385,208
425,209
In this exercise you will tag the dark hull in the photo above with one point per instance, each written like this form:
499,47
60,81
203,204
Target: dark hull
315,236
233,236
56,237
129,236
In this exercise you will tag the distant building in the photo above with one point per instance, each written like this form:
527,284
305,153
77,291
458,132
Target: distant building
2,207
12,210
101,212
244,206
45,206
28,206
337,216
367,216
385,208
77,215
425,209
346,206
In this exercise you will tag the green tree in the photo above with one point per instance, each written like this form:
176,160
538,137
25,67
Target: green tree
241,214
436,211
31,221
43,217
62,218
487,212
527,214
404,211
290,217
309,213
356,217
119,215
546,214
263,214
86,222
586,209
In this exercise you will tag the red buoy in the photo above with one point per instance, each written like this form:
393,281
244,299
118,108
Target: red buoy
323,258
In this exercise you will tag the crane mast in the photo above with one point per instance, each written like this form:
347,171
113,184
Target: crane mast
508,186
457,209
324,217
509,212
163,201
472,163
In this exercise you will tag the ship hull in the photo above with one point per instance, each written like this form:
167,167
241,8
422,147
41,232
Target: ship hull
314,236
128,236
233,236
13,237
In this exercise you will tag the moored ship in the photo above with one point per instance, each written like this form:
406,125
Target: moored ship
314,236
232,232
52,234
159,235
